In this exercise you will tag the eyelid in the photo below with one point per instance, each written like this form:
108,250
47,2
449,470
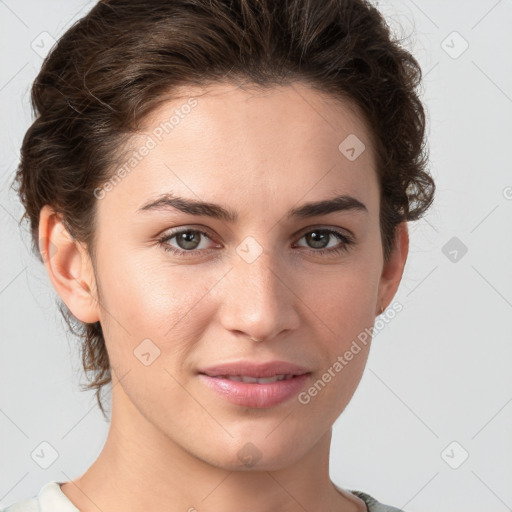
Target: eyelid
189,227
343,231
167,235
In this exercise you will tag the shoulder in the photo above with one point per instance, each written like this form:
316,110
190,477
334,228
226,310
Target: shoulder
27,505
49,499
374,505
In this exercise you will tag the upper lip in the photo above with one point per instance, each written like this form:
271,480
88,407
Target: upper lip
256,370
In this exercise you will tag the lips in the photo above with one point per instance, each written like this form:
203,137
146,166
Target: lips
256,385
255,370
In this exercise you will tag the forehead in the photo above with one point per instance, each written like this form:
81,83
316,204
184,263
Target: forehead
287,142
250,110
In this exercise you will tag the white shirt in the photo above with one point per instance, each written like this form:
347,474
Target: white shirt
51,499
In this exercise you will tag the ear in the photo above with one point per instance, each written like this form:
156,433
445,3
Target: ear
69,267
393,269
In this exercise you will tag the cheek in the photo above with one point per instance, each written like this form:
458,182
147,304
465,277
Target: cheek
344,306
343,302
155,300
345,316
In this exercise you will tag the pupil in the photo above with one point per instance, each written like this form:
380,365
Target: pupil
186,238
316,243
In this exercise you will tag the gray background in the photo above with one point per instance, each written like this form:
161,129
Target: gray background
438,382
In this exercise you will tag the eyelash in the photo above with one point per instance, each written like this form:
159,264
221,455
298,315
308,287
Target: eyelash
344,247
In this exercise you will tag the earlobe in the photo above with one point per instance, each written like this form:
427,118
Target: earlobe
393,269
68,266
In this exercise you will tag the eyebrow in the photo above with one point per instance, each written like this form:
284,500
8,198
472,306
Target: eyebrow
201,208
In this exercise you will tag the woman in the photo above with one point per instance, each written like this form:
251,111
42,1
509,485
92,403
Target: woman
219,191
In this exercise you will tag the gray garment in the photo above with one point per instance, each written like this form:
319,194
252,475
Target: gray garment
51,499
373,505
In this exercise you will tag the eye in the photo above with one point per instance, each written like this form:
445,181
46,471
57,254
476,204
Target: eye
320,238
188,240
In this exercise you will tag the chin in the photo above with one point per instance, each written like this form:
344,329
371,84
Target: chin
256,455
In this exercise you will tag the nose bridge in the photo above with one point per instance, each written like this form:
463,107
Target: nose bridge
258,301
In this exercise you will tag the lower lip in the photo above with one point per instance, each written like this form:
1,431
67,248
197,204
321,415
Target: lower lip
259,396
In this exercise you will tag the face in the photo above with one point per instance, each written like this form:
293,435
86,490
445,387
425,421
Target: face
184,291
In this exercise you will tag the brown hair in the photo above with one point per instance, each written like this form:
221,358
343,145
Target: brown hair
118,63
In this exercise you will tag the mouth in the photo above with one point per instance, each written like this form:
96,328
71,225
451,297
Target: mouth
248,370
254,380
258,393
256,386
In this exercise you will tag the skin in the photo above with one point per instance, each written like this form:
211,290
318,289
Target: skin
173,443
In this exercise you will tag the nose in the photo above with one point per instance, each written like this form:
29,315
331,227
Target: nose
258,300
